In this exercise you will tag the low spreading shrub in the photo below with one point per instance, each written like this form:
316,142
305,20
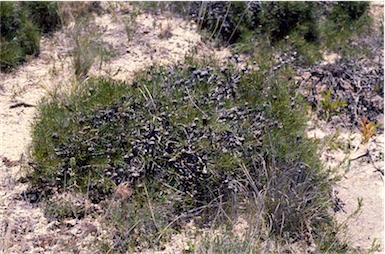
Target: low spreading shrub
188,142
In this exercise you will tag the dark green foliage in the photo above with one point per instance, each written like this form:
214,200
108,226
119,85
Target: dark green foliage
19,36
29,38
343,13
279,19
221,19
10,22
21,27
231,21
44,15
290,171
11,54
348,30
307,28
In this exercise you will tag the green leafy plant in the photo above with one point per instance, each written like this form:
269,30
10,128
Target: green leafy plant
368,130
329,106
332,142
106,53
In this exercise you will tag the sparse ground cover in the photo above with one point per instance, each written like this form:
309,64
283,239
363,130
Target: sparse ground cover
199,146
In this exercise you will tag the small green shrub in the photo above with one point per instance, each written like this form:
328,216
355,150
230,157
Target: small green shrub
64,207
329,106
307,28
29,39
343,22
221,19
11,54
232,21
10,22
344,13
193,142
279,19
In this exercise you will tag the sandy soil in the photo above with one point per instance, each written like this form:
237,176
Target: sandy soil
23,227
360,179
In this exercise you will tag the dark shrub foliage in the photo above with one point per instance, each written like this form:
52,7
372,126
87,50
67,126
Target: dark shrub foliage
19,36
346,12
279,19
10,21
230,20
44,15
220,18
21,27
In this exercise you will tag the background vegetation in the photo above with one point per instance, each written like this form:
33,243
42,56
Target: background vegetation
22,24
304,27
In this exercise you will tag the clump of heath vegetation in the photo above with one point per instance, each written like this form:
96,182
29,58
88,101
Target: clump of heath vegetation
280,19
191,142
302,30
344,14
307,28
246,23
22,24
344,21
